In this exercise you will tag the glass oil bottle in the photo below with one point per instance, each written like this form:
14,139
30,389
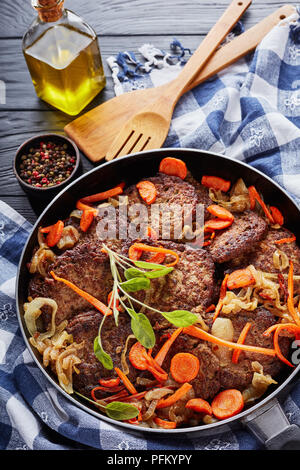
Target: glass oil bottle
63,57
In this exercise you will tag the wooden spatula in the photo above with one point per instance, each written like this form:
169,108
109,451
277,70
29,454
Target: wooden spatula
149,128
94,131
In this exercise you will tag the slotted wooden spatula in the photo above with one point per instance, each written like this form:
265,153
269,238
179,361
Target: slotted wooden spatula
149,128
95,130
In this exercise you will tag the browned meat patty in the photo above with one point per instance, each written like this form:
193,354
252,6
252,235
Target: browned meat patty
202,194
87,267
171,190
84,327
240,375
247,229
189,285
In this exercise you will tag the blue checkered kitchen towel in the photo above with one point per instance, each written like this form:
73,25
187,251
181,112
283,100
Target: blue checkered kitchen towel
250,111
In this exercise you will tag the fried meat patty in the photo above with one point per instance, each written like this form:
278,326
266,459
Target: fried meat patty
84,265
171,191
84,327
247,229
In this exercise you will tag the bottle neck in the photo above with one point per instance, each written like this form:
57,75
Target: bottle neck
49,10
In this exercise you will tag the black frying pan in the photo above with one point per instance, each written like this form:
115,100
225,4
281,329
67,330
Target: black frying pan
266,418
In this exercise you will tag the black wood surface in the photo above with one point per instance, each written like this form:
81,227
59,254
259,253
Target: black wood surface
120,25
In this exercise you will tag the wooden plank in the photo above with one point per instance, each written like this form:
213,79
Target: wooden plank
19,89
136,17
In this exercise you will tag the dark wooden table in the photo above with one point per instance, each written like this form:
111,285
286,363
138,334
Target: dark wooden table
120,25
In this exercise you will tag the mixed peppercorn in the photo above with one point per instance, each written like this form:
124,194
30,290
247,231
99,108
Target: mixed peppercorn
46,164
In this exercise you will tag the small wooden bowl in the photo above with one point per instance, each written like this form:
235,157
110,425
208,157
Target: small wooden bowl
47,193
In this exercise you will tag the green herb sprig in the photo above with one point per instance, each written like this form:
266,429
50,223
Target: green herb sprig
116,409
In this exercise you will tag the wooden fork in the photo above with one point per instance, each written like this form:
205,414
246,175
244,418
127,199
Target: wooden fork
149,128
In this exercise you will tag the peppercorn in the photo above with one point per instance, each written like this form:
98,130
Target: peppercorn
47,164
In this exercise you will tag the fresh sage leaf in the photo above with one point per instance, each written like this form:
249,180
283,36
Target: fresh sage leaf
102,356
131,273
135,284
121,411
145,265
158,273
180,318
142,329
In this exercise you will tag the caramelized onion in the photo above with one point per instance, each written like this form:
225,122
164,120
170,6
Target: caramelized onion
32,313
69,237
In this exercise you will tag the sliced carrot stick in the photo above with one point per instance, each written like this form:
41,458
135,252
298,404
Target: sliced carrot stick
227,403
135,396
184,367
46,229
199,405
286,240
278,350
156,249
92,300
104,195
240,278
55,233
236,353
277,215
180,393
151,233
130,387
201,334
147,191
223,290
292,327
164,424
86,219
216,224
220,212
110,382
254,196
160,356
173,167
214,182
106,390
83,207
211,308
161,377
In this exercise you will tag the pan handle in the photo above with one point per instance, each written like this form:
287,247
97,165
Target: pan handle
270,425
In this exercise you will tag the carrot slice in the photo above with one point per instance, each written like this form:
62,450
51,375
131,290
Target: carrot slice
134,254
184,367
138,356
211,308
46,229
86,219
221,298
91,299
130,387
236,353
277,215
290,299
164,424
227,403
104,195
83,207
54,234
180,392
286,240
201,334
173,167
147,191
160,356
217,224
214,182
254,196
199,405
240,278
110,382
220,212
156,249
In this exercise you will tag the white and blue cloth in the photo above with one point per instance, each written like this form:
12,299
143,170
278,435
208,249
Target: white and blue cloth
250,111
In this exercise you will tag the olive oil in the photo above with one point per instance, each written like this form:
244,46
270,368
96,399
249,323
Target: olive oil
64,61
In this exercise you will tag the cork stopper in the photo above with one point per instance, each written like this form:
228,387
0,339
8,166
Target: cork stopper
49,10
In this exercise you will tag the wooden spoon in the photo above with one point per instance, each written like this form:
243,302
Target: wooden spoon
94,131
